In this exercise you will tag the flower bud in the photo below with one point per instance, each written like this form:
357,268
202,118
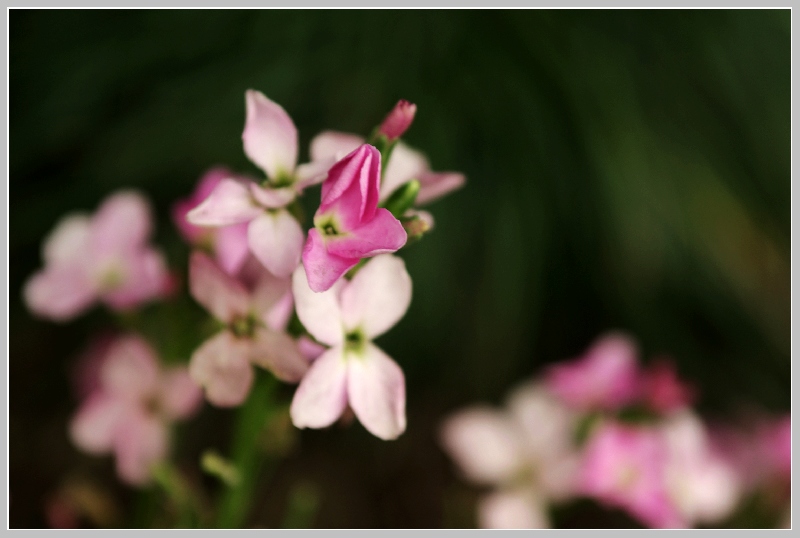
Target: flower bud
398,120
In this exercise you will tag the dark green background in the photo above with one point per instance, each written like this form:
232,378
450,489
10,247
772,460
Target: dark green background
625,169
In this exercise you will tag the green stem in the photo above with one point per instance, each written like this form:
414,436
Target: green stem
245,453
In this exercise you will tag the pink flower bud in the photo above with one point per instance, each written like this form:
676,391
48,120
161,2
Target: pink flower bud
398,120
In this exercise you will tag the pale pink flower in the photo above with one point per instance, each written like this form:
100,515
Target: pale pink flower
606,377
104,257
349,225
398,120
662,390
270,142
228,243
404,165
354,371
518,508
624,467
254,321
130,410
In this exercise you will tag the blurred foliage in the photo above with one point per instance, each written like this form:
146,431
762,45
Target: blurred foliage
626,169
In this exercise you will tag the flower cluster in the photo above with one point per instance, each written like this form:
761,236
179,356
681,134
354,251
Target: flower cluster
601,427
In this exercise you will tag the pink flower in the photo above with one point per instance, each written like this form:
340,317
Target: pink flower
228,243
663,391
349,225
270,142
518,508
253,334
605,377
623,467
404,165
353,370
130,410
398,120
104,257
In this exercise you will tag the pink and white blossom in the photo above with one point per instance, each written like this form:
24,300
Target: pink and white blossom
253,334
349,225
102,257
353,371
131,407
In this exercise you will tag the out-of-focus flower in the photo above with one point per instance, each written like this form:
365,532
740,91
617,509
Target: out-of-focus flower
101,257
130,410
606,377
227,243
270,142
254,332
624,467
349,225
662,390
526,450
398,120
404,165
353,370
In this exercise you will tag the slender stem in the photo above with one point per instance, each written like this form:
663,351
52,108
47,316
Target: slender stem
235,502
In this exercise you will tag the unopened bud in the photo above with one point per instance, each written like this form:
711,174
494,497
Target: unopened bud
398,120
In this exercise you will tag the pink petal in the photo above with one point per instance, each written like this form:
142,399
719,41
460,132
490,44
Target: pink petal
203,190
383,234
323,268
333,144
59,294
278,353
219,293
181,397
229,203
145,277
321,396
404,165
276,239
278,317
663,391
272,198
139,445
434,185
513,509
351,188
221,365
398,120
318,312
309,348
485,444
93,427
270,137
124,220
270,292
230,247
312,173
377,297
376,390
68,243
130,370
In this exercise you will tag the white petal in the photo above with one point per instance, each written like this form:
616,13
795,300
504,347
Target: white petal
377,297
229,203
222,366
404,165
278,353
319,312
333,144
322,395
270,197
376,389
220,293
276,239
68,242
270,137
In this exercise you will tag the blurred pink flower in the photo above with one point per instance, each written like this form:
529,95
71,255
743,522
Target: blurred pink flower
398,120
404,165
349,225
270,141
130,410
353,370
606,377
519,508
663,391
254,332
102,257
228,243
624,467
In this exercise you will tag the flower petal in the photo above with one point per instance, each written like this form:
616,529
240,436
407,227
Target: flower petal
513,509
352,186
322,395
145,277
180,395
276,239
92,428
141,444
333,144
222,366
270,137
376,389
404,165
383,234
312,173
124,220
181,208
272,198
278,353
230,247
323,269
398,120
377,297
222,296
59,293
229,203
130,370
318,312
68,242
434,185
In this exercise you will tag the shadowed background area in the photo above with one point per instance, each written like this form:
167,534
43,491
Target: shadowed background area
625,170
